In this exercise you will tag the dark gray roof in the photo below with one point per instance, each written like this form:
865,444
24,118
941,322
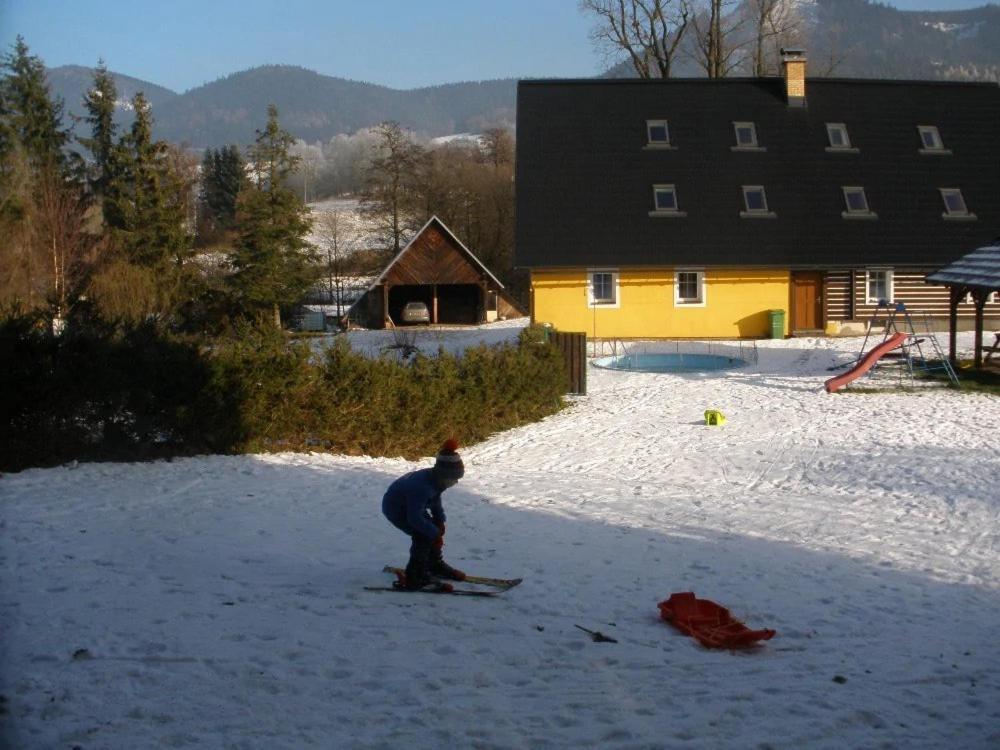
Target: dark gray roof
979,269
584,176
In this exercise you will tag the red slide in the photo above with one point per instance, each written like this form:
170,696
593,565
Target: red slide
866,363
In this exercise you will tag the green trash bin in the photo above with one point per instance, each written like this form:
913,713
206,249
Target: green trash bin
777,323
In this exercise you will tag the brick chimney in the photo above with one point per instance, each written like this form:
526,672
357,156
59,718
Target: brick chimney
793,62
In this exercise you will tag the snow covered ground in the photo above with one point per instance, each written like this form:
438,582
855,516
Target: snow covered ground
218,602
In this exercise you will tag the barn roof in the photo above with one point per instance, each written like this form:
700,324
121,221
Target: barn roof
451,235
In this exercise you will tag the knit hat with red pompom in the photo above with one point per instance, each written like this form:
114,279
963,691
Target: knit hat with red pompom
449,464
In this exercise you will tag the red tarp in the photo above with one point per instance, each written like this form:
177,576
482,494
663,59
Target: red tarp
710,623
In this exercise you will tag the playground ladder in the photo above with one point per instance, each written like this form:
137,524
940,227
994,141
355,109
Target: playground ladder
892,325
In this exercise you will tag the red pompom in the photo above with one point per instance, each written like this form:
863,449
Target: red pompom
450,446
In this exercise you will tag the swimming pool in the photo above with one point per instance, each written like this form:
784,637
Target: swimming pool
670,362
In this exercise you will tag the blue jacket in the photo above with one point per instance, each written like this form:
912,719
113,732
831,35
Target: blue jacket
408,501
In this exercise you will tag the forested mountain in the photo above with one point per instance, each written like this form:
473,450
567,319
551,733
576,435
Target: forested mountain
854,38
312,106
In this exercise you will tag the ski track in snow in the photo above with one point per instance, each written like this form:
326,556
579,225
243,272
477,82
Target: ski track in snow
218,602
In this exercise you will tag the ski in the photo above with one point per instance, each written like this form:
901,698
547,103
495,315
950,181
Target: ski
440,589
500,583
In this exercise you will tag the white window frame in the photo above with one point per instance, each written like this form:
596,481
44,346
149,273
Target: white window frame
748,212
603,304
665,124
948,212
842,129
992,298
888,285
856,213
702,298
931,130
755,144
658,212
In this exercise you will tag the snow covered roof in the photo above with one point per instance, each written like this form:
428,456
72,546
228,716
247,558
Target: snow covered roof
979,269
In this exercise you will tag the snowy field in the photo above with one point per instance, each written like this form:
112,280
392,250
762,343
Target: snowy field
218,602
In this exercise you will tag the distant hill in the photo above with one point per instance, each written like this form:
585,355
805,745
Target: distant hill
311,106
71,82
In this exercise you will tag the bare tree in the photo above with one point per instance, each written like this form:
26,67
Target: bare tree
775,25
389,182
718,26
337,238
648,31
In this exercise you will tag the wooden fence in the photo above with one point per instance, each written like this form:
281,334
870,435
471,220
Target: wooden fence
574,349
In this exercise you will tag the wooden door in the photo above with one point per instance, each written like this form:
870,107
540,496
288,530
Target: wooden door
807,300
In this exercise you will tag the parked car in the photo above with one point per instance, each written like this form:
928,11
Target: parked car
416,312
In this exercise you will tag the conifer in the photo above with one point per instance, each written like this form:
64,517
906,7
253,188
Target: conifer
273,264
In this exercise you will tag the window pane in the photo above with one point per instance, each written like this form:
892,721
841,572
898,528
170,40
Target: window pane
837,136
745,135
755,200
666,200
856,200
687,285
603,285
930,137
954,202
878,287
658,133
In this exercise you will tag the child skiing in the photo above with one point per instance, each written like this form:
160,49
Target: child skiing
413,505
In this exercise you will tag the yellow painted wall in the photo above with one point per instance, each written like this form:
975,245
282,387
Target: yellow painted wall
737,304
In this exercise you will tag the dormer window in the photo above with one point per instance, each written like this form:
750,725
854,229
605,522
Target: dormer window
746,137
657,133
954,204
837,133
857,204
840,141
930,140
755,203
665,201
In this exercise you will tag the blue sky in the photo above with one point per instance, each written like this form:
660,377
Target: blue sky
399,43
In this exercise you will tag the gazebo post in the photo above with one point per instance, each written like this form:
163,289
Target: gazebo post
385,305
979,297
954,299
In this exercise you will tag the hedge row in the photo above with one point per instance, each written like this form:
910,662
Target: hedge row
101,393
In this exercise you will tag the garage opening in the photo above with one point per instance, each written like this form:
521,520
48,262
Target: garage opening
400,295
457,304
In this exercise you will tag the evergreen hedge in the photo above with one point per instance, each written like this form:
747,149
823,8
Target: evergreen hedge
114,392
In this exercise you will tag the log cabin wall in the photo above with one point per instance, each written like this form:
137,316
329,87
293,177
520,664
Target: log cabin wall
847,297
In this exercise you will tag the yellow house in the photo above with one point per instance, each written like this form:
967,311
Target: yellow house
693,208
660,302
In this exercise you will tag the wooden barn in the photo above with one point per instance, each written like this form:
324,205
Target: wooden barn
437,269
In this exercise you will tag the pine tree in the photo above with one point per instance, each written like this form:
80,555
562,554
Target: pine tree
99,102
145,199
223,177
30,117
273,264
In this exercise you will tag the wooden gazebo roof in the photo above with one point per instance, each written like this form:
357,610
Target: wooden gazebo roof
980,269
978,274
